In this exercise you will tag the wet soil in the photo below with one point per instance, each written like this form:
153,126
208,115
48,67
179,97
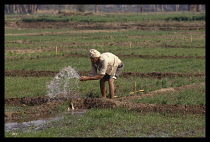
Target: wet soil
121,56
124,74
39,123
112,25
41,106
142,56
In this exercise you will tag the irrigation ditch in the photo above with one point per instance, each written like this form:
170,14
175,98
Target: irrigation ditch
158,75
164,26
41,106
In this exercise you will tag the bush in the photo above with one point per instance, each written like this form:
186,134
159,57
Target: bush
187,18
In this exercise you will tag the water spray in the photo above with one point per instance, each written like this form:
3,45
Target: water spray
63,84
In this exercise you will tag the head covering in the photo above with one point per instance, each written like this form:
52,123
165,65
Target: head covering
94,53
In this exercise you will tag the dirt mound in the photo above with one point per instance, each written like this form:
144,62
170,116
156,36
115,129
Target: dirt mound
142,56
161,56
160,74
20,51
40,106
35,111
30,101
163,26
87,103
29,73
124,74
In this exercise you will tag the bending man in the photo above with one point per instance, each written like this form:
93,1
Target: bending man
110,67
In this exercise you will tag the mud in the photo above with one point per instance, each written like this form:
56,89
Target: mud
12,58
163,26
158,75
40,123
41,106
144,56
45,33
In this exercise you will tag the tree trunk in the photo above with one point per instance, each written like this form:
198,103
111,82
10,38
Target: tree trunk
96,8
198,8
11,9
29,8
192,7
162,7
177,7
22,7
142,8
154,8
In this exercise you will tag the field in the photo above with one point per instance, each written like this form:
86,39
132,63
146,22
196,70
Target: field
163,56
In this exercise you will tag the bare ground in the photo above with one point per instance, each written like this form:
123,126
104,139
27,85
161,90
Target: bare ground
124,74
40,106
11,58
112,25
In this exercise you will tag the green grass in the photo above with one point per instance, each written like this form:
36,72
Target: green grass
189,96
36,86
25,86
172,16
120,123
188,65
146,43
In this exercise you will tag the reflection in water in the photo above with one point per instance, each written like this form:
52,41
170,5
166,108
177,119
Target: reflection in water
39,123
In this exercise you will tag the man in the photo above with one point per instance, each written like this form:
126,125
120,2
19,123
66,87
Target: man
110,67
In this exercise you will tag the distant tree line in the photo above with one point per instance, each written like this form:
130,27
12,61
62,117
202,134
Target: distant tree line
21,8
33,8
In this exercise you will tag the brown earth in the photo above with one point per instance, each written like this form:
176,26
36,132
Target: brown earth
124,74
44,33
112,25
121,56
142,56
40,106
76,44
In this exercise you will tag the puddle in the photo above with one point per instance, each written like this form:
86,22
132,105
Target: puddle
39,123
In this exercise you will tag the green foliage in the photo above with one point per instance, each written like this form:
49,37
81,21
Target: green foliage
120,123
189,96
187,18
25,86
175,16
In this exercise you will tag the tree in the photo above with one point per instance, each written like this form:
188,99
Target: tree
81,8
142,8
177,7
21,8
198,8
96,8
191,7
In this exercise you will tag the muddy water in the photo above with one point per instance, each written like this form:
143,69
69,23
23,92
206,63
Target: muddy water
40,123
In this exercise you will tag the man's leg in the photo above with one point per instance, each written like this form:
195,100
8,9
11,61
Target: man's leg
111,87
103,88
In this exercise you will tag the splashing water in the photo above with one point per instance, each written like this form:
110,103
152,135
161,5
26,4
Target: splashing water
64,83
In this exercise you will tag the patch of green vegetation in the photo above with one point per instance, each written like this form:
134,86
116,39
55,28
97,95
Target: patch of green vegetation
189,96
180,16
187,18
188,65
120,123
25,86
34,86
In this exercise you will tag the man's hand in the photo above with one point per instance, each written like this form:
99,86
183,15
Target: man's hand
83,78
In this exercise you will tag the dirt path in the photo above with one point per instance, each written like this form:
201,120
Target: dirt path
154,26
40,106
159,92
82,55
84,31
124,74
